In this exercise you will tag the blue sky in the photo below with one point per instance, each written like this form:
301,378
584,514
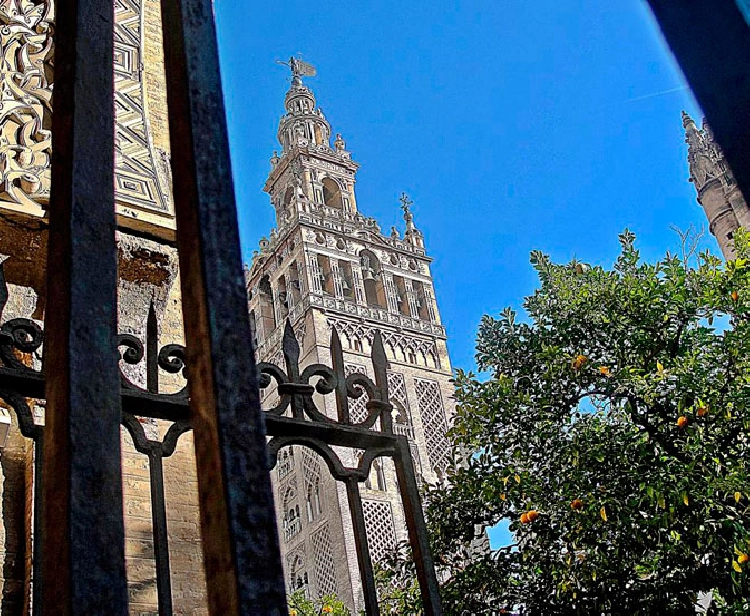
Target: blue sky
512,125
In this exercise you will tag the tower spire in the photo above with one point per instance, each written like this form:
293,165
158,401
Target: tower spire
717,191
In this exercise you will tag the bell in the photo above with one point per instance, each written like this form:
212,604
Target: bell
345,285
368,274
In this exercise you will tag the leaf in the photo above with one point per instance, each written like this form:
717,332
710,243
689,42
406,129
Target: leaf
737,497
517,478
685,498
661,502
736,566
603,513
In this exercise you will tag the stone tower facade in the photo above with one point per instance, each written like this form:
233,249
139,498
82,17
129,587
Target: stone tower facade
722,201
327,265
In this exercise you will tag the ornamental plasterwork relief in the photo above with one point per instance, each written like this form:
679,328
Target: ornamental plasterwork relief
25,113
26,28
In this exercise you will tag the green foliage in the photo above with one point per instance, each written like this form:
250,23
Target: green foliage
299,605
619,411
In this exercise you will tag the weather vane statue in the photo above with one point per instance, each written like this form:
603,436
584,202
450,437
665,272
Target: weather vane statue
299,69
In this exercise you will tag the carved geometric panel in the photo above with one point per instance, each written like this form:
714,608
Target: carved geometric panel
433,420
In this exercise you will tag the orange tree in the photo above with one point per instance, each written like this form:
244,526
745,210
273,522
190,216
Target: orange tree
613,431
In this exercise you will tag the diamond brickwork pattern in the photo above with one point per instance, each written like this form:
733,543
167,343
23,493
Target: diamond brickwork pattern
381,535
434,422
325,571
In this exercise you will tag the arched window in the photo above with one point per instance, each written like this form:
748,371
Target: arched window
332,194
357,344
294,289
254,329
265,307
288,203
285,464
312,502
292,523
347,279
372,278
376,478
283,297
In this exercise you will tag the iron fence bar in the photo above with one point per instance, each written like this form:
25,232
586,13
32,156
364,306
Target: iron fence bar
161,537
364,560
83,531
238,521
716,69
417,529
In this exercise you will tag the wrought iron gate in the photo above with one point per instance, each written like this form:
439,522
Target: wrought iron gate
79,561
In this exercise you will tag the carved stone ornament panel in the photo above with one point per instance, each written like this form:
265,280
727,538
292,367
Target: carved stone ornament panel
26,28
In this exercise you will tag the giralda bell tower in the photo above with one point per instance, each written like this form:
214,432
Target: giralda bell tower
326,265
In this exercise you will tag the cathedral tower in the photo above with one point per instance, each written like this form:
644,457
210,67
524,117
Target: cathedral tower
327,265
722,201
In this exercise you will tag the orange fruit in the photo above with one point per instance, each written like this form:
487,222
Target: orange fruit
702,411
576,505
604,370
532,515
682,421
524,518
735,296
579,361
743,558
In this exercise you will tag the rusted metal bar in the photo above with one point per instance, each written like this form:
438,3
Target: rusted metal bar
238,521
417,529
711,41
364,560
84,560
37,556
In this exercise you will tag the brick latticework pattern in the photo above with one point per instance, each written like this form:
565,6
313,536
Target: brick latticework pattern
381,534
433,420
325,572
310,466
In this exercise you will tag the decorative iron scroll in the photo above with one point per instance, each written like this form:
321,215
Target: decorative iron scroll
294,420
